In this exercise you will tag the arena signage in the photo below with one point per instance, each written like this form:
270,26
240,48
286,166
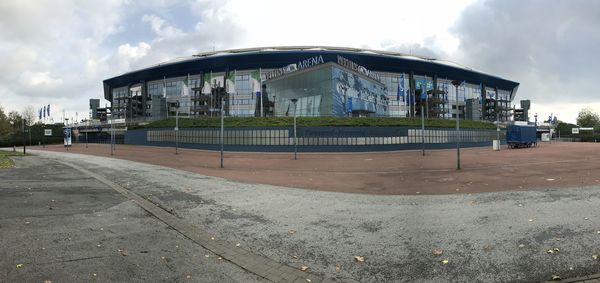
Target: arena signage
357,68
306,63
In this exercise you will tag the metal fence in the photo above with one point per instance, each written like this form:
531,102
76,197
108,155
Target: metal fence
314,138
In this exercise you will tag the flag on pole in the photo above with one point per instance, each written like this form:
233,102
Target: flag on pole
230,81
40,114
48,109
44,111
185,90
256,83
206,88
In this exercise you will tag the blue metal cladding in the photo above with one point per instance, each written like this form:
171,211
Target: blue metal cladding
277,59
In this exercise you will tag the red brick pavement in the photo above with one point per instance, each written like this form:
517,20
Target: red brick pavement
557,165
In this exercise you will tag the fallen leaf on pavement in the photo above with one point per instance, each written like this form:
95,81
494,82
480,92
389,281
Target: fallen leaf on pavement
206,255
212,238
304,268
295,257
20,265
550,251
521,246
595,257
445,261
556,277
556,250
438,251
188,277
94,274
291,232
338,268
47,281
308,280
237,245
586,218
124,253
359,258
549,179
530,219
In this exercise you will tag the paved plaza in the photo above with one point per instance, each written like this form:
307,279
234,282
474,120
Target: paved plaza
107,205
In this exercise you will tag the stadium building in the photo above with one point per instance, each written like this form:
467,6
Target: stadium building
324,81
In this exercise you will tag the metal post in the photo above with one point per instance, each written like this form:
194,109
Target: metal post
176,127
24,145
422,130
86,137
222,130
497,118
112,131
44,136
294,100
456,84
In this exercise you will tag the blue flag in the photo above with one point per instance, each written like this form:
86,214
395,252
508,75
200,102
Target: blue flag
48,109
40,114
44,111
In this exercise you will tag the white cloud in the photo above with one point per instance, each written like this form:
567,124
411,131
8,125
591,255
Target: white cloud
127,51
160,28
40,79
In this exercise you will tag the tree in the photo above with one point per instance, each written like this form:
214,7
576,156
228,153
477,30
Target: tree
17,121
5,129
588,118
29,114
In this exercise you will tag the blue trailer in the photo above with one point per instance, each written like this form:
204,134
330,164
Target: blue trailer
521,136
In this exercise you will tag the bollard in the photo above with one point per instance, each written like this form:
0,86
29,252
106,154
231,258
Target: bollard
14,148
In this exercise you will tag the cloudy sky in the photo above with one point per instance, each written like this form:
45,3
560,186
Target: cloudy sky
58,51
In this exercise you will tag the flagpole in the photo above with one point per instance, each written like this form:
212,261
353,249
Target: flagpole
261,94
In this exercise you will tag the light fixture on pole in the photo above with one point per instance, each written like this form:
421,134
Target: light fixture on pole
535,116
24,145
435,93
176,126
420,92
66,125
222,95
294,100
456,84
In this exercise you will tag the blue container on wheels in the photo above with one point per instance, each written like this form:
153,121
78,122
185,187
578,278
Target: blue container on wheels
521,136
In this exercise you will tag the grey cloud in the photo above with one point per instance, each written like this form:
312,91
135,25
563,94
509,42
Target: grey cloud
550,47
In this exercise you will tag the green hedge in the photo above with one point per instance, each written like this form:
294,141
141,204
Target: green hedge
244,122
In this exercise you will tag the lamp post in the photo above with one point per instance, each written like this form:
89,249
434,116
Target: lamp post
112,130
176,126
24,145
67,125
497,118
43,135
456,84
535,116
294,100
420,92
222,95
86,132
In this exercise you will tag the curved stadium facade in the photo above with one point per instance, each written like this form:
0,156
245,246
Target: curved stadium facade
324,81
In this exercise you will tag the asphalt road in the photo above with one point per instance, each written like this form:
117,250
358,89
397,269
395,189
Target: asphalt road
59,225
485,237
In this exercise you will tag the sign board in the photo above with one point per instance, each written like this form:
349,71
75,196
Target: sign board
574,131
586,129
349,110
67,136
47,132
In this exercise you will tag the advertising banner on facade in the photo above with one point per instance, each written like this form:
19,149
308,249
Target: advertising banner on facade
67,136
48,132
